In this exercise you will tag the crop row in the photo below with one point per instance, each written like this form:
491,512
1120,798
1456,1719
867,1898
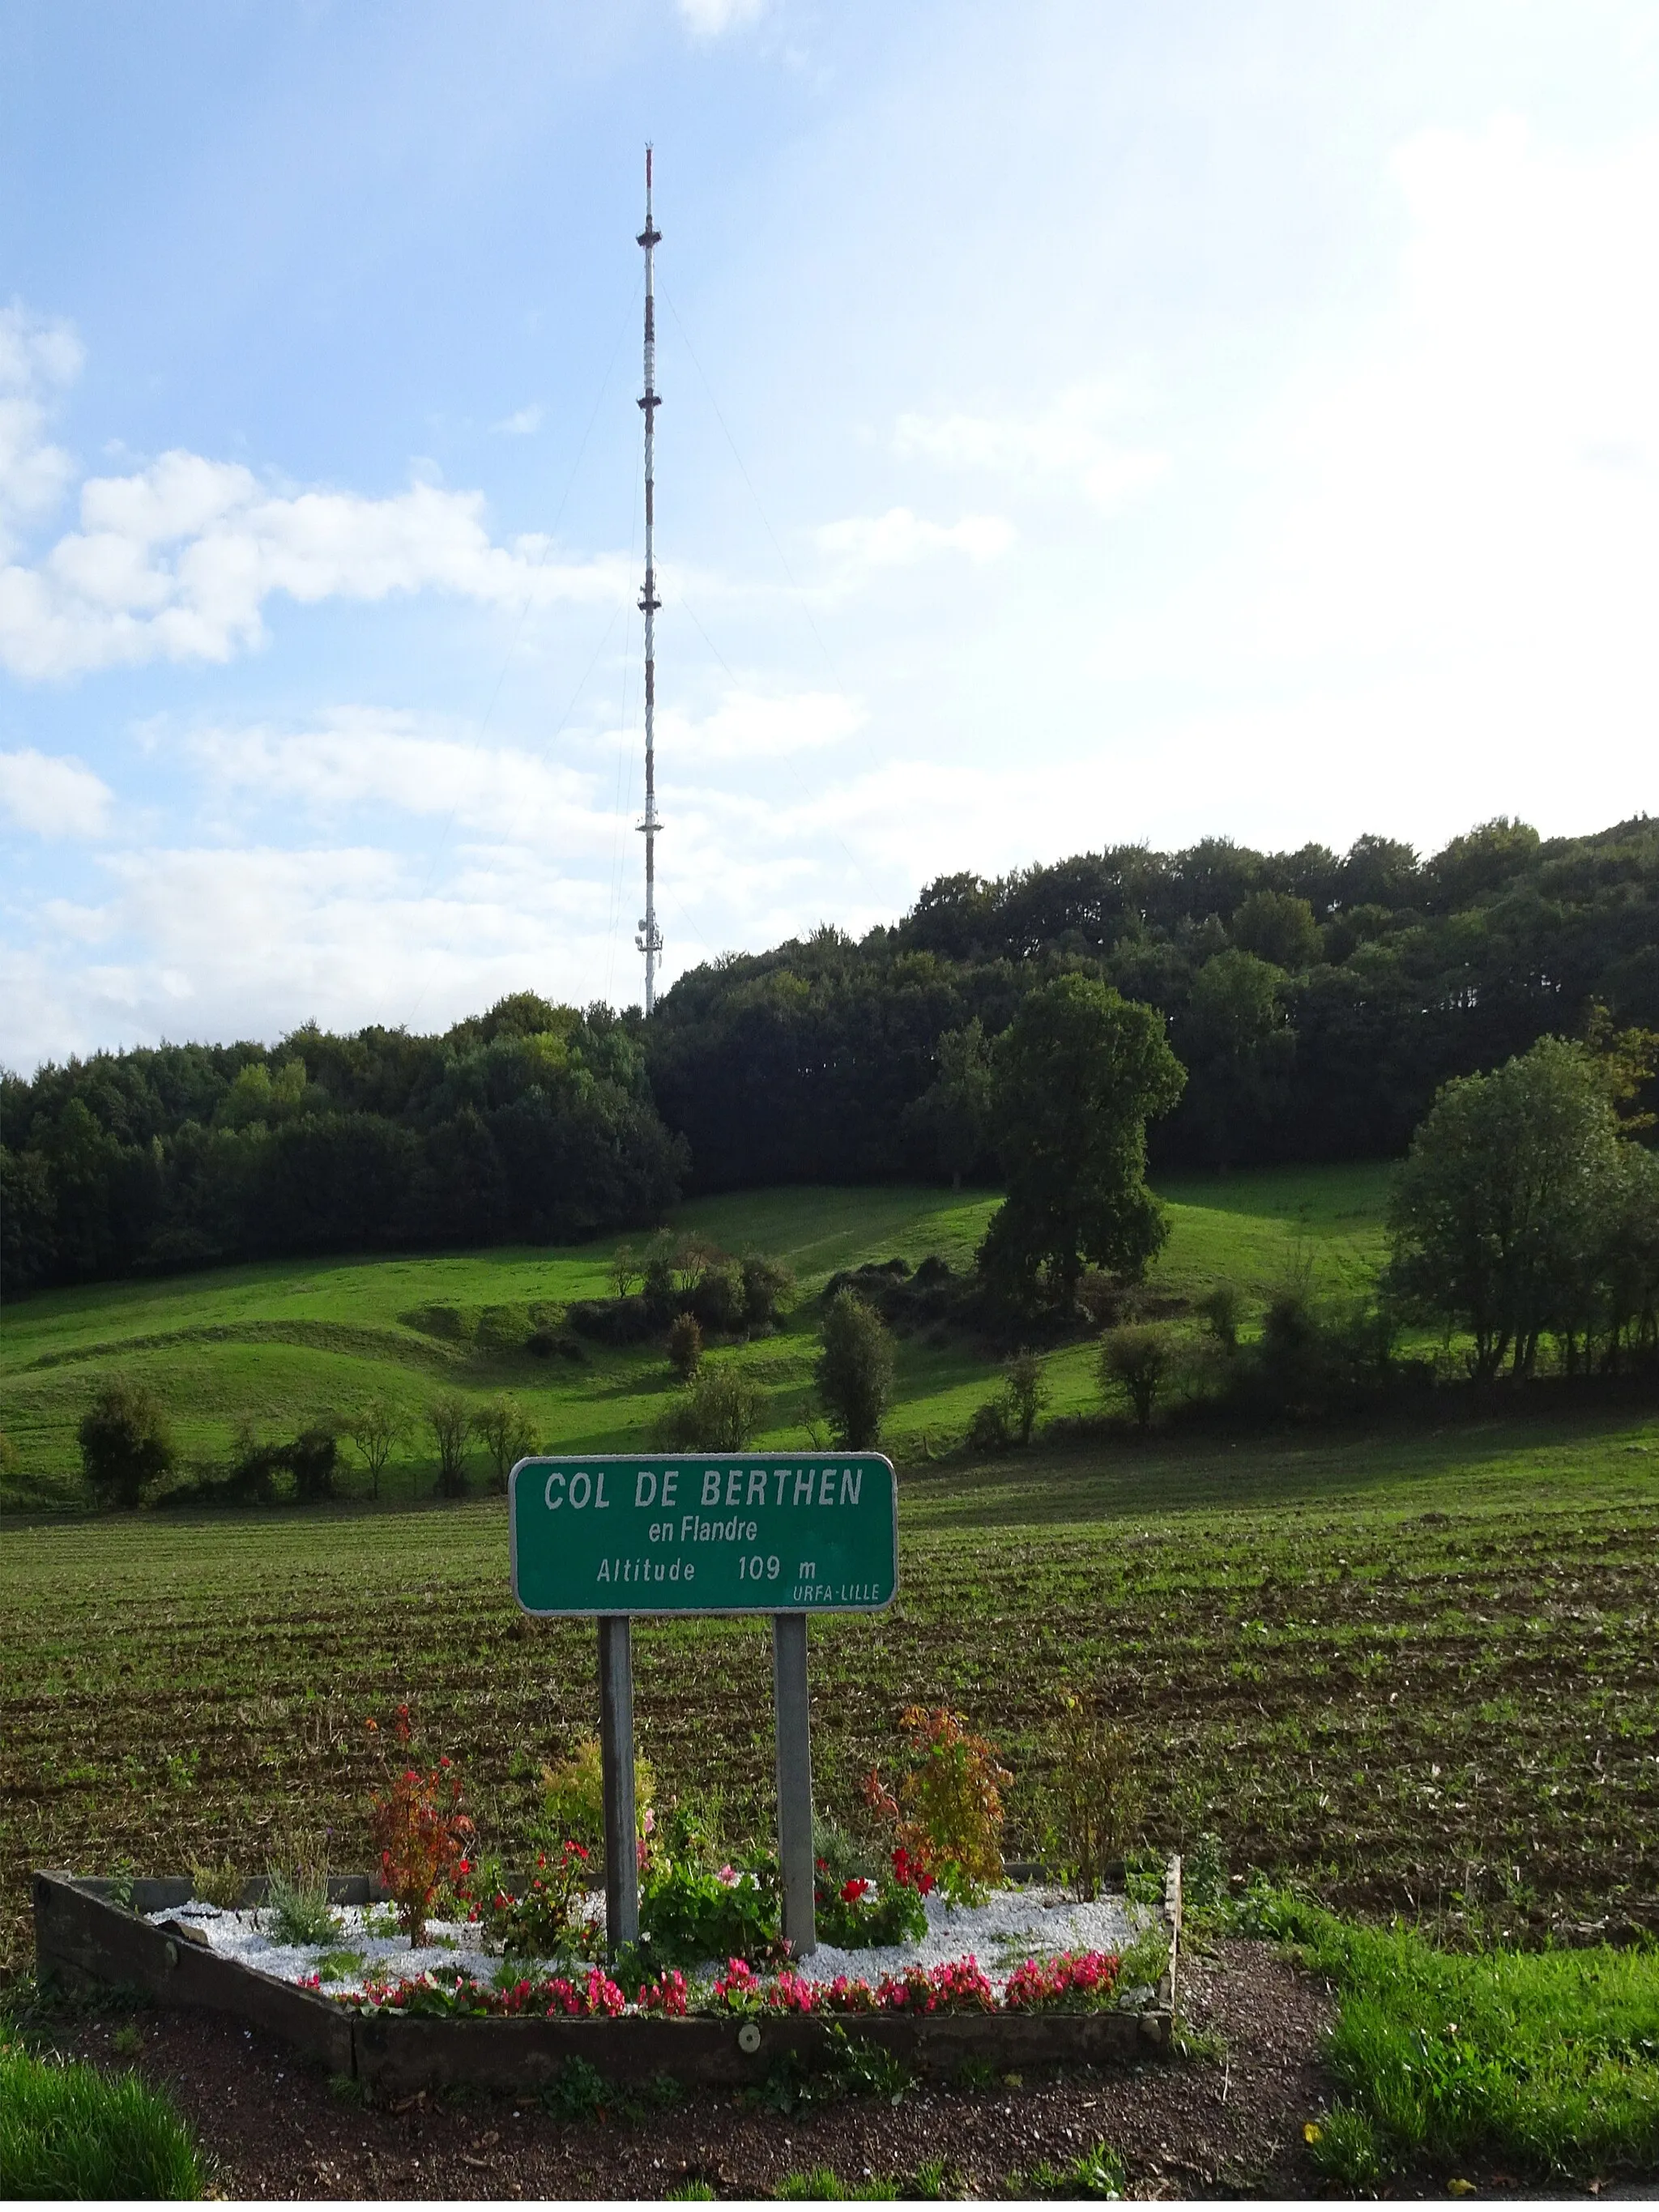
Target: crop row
1401,1710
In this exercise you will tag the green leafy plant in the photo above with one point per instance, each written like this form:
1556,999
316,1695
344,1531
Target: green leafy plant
688,1914
987,1426
1093,1799
219,1881
541,1920
824,2182
573,1799
297,1909
578,2091
341,1966
1145,1961
67,2131
947,1810
1097,2171
721,1411
1345,2147
866,2069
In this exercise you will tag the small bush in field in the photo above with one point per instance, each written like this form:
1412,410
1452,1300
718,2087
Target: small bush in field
987,1426
685,1346
720,1411
126,1443
947,1808
1223,1308
855,1371
768,1287
505,1430
450,1420
1025,1392
1135,1360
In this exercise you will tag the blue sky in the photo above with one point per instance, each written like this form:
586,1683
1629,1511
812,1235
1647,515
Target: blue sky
1081,423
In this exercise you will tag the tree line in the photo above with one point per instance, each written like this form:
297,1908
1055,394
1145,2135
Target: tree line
1315,1003
533,1123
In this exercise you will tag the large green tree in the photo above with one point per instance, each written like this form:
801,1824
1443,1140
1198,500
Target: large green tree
1501,1218
1077,1075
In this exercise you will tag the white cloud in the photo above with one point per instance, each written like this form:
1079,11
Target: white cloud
176,561
37,360
363,759
898,538
1068,439
710,19
749,725
523,424
1479,490
53,797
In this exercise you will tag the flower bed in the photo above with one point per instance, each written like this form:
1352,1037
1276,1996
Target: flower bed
401,2031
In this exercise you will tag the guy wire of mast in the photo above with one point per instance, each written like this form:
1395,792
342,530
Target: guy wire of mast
649,940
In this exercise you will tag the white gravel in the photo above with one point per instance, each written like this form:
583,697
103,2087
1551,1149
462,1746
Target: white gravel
1013,1925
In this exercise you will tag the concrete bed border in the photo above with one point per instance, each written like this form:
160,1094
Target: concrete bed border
84,1938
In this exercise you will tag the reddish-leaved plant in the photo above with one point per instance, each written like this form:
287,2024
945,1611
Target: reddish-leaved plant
419,1830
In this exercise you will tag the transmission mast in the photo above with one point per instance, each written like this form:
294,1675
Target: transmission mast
649,940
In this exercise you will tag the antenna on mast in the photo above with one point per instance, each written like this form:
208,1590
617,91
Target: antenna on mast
649,940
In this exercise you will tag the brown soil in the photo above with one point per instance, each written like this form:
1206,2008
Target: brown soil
1186,2126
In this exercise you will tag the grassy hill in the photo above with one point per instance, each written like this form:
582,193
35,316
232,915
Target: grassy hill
285,1343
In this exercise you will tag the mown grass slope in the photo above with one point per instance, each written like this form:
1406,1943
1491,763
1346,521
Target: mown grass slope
285,1344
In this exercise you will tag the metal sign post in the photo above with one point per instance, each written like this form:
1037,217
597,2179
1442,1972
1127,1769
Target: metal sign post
791,1710
621,1861
783,1535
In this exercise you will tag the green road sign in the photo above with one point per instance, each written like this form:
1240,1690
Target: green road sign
696,1532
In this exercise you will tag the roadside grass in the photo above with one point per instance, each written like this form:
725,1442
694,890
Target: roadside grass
1546,2059
69,2131
286,1343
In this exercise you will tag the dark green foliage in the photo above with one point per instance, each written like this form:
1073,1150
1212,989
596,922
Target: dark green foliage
685,1346
825,1059
1521,1211
532,1123
854,1370
66,2131
1077,1076
688,1915
126,1443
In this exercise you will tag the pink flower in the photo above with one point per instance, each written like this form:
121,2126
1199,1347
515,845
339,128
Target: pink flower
730,1876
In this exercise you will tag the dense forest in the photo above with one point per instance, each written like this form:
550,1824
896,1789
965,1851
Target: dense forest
1317,1003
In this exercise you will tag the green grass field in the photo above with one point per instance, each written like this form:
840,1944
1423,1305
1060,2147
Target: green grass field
284,1344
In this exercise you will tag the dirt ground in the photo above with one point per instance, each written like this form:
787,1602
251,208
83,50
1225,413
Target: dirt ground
1225,2124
